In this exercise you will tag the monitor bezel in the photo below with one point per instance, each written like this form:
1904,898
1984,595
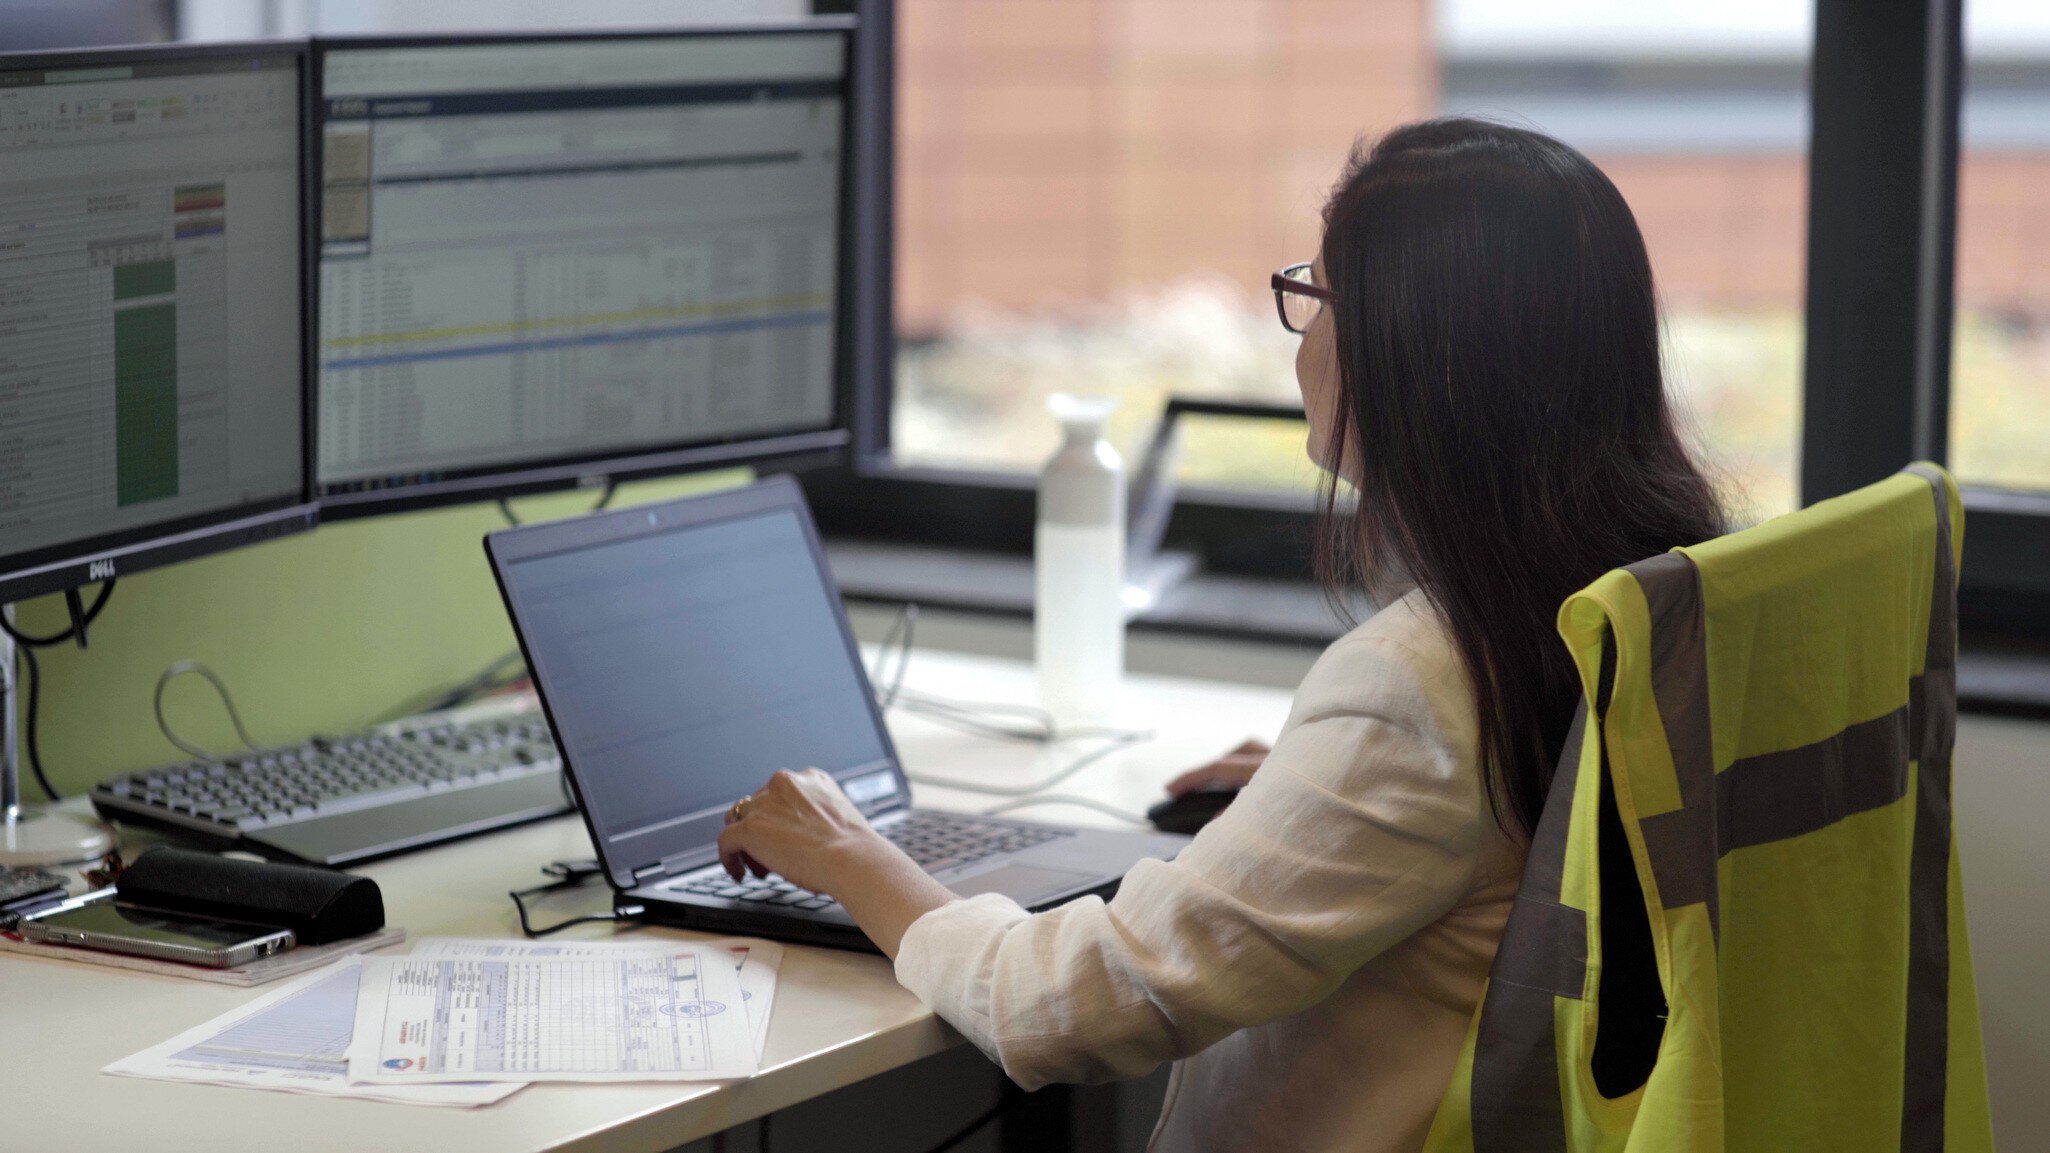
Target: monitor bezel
54,568
781,451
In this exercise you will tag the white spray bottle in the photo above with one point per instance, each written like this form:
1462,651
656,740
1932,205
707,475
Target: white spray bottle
1079,560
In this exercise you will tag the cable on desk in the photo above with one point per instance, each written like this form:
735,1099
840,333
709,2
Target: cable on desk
1116,744
999,720
993,719
178,669
569,875
1077,801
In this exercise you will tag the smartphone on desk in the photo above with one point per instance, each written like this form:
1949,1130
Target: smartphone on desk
117,928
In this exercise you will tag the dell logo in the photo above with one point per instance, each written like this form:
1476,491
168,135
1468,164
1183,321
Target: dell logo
100,570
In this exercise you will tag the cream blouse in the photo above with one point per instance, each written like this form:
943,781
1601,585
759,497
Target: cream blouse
1310,962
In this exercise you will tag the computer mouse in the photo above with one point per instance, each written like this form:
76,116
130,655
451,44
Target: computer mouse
1192,810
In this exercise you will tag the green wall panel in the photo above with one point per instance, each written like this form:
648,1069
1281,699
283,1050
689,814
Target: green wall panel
324,632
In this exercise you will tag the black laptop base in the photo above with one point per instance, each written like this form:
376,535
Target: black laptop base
746,923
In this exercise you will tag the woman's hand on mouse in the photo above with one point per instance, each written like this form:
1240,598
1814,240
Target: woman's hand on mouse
1230,771
800,825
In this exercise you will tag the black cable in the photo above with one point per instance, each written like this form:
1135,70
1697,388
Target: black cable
32,672
32,675
1010,1098
92,613
505,508
629,913
486,680
568,875
75,609
178,669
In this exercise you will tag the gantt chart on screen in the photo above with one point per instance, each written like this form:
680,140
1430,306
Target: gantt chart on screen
534,252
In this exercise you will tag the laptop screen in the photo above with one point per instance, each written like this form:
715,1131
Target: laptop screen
684,664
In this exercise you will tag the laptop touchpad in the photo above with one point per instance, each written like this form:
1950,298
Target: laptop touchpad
1024,884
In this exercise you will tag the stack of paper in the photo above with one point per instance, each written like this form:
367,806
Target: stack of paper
469,1022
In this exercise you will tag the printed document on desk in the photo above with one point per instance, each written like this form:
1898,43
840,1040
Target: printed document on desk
759,962
645,1016
294,1039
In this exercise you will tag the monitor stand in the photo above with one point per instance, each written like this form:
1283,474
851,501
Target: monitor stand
35,835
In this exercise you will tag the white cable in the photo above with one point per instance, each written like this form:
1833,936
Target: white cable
1077,765
992,719
1067,799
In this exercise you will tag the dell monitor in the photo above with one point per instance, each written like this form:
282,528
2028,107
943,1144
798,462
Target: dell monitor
563,260
152,292
153,364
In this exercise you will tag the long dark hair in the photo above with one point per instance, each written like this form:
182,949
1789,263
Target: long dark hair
1503,407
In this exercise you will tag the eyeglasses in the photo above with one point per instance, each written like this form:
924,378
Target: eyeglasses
1297,299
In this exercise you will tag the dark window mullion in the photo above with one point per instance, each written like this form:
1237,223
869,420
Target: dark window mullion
1882,187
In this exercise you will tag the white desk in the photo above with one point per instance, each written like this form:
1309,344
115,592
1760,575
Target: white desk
840,1017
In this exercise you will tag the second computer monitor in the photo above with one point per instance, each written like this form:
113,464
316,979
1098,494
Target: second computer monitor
548,260
152,291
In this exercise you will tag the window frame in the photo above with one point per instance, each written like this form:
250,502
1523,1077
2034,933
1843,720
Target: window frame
1877,317
872,496
1886,87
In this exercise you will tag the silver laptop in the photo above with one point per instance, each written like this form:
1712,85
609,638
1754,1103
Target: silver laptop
686,651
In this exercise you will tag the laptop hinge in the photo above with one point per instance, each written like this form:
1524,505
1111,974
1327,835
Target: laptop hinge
684,862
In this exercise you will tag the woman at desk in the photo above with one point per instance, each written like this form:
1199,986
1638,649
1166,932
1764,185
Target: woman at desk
1480,363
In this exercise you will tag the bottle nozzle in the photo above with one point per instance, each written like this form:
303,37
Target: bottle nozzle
1079,412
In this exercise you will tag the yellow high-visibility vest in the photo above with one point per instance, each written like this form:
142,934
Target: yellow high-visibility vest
1775,716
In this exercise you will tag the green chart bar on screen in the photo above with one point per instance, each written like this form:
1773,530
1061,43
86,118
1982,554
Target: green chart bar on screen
145,384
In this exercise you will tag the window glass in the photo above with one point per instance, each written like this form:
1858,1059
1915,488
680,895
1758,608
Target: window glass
2000,359
1092,193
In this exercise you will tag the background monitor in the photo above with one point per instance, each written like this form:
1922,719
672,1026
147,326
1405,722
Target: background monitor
550,261
30,24
152,295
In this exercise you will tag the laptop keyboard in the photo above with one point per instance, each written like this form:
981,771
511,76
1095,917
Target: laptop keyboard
773,890
936,841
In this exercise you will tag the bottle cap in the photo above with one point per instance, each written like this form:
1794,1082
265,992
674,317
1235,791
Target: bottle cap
1079,412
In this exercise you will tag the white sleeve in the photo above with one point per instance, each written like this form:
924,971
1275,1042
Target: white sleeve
1363,826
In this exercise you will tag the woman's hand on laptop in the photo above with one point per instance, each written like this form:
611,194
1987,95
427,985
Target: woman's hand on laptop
801,826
